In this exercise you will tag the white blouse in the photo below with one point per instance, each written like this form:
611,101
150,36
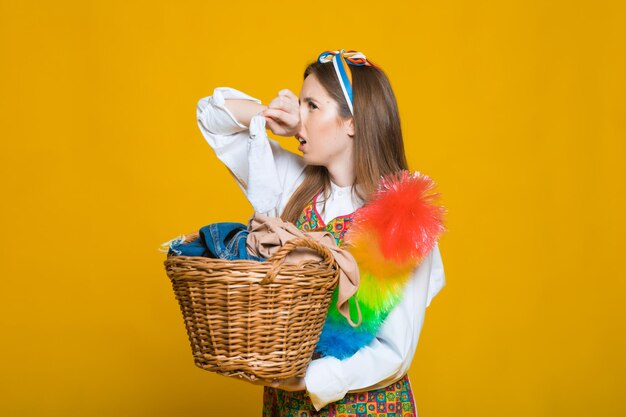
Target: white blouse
268,175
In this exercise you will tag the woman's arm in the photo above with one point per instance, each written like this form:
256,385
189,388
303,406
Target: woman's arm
265,172
244,110
389,356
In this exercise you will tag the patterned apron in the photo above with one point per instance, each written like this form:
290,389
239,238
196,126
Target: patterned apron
395,400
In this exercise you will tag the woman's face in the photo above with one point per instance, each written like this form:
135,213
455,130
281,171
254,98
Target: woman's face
325,139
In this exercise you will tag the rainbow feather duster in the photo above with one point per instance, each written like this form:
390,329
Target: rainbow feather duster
389,238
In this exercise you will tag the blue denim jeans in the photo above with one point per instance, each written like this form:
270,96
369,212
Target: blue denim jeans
217,240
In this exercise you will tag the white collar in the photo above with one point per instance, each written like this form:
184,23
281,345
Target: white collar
339,191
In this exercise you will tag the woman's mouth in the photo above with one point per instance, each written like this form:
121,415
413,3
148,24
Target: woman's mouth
302,142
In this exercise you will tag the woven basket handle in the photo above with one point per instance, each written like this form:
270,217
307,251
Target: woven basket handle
279,256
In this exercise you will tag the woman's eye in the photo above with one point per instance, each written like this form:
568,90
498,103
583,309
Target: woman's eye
311,105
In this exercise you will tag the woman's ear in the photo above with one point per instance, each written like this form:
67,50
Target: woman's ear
350,127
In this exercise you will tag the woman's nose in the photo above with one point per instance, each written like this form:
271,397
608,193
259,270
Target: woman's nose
302,120
302,112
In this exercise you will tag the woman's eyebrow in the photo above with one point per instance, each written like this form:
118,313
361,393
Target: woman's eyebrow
307,99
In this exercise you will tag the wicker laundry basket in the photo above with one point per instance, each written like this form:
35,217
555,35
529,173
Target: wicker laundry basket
254,320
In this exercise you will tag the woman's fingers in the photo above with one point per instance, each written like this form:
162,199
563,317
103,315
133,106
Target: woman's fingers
271,124
286,100
281,103
281,123
274,113
291,99
275,126
275,103
288,93
282,115
290,384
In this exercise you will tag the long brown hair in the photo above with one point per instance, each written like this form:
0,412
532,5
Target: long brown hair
378,145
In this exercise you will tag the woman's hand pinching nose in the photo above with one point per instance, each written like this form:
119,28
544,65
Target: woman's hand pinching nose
282,116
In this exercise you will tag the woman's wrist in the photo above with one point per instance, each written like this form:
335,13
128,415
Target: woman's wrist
244,110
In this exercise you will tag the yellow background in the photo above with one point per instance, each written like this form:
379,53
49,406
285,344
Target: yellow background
516,109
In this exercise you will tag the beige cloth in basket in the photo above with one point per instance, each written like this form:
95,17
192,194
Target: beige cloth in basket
268,234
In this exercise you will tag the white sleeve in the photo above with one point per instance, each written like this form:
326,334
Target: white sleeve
265,172
388,357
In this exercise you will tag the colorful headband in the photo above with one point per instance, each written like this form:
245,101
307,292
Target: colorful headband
340,60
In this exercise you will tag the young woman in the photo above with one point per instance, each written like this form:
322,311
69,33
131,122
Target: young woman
346,120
